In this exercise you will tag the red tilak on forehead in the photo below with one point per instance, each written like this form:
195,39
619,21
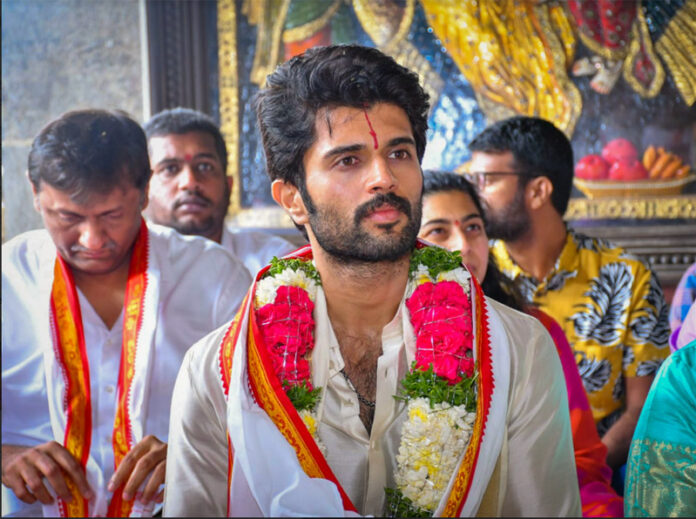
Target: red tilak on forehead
372,130
188,157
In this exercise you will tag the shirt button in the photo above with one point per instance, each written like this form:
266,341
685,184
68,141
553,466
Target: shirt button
109,389
109,342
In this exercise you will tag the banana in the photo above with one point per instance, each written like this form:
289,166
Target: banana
663,158
649,157
683,171
671,167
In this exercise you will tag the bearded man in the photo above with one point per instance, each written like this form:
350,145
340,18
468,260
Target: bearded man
608,302
291,409
190,188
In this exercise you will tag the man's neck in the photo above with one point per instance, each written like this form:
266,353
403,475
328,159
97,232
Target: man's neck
216,235
538,250
105,292
362,298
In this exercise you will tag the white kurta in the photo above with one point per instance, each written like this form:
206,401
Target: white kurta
254,248
200,288
536,468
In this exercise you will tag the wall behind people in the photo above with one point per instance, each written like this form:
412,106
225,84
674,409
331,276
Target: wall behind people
63,55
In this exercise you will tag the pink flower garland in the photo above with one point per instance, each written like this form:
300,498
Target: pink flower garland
287,327
441,319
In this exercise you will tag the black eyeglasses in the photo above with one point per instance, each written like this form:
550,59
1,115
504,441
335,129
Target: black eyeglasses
484,178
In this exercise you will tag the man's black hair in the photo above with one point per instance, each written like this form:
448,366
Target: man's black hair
538,148
332,76
495,285
90,151
184,120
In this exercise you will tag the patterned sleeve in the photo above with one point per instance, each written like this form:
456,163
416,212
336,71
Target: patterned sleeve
646,340
683,298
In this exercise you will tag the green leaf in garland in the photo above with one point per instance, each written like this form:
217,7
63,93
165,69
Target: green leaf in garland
305,265
301,397
426,384
435,259
398,505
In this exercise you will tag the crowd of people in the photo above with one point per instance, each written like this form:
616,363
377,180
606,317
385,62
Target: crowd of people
443,345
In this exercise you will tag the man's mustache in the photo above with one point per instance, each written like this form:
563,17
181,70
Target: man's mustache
110,246
192,198
381,199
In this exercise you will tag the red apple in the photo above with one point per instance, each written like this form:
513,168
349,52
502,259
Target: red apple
627,170
619,149
592,167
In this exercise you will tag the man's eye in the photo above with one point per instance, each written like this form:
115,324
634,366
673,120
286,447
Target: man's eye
348,161
68,218
205,168
401,154
169,170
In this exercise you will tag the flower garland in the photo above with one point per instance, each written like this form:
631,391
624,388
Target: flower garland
439,388
284,301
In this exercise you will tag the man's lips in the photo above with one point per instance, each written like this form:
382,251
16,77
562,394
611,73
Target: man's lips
384,213
94,255
192,205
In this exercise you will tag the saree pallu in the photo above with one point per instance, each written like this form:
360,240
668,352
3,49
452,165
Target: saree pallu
661,468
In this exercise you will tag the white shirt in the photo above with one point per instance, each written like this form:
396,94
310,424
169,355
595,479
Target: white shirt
201,287
254,248
536,467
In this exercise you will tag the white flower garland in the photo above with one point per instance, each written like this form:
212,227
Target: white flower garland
432,441
267,287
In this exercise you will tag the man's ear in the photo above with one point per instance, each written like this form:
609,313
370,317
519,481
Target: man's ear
539,191
288,197
146,197
35,194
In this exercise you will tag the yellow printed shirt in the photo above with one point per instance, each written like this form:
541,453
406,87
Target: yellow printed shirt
612,310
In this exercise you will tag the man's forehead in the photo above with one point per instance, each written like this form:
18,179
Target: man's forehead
87,198
332,119
182,143
498,160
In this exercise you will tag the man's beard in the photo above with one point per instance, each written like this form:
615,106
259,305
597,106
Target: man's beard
209,225
194,228
510,223
351,243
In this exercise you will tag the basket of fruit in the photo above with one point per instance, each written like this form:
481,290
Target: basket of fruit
618,172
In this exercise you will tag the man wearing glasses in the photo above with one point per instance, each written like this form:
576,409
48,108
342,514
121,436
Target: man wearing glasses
608,302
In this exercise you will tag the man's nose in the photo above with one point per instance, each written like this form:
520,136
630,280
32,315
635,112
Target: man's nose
92,235
187,177
381,178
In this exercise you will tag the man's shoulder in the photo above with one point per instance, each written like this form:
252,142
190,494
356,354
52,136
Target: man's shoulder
187,250
204,357
591,249
28,251
28,239
252,239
